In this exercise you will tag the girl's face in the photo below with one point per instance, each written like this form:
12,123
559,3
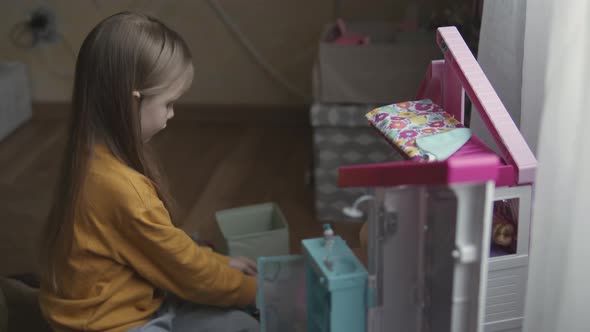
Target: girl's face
157,109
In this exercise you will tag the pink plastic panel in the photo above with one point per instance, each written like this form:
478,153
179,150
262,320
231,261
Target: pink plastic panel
475,148
431,86
442,86
478,168
461,167
460,61
453,94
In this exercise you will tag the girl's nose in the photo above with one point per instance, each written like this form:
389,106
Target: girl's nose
170,114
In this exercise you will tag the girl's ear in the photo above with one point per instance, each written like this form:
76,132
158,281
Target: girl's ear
136,94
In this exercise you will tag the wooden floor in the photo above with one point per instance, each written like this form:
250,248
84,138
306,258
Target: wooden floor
210,165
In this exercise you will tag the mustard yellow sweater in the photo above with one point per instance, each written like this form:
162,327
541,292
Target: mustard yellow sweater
125,249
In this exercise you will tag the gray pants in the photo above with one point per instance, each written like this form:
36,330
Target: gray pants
177,315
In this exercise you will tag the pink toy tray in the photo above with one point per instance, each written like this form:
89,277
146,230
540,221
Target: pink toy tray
446,82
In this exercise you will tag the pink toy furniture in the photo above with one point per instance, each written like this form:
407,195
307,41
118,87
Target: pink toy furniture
431,263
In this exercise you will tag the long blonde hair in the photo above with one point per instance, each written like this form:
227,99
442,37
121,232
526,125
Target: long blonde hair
125,52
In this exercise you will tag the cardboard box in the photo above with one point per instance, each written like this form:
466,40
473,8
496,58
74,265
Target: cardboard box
254,231
387,70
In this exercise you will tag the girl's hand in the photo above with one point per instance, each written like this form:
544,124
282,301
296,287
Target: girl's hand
244,264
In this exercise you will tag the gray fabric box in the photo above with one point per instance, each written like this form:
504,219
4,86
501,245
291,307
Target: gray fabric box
389,69
342,136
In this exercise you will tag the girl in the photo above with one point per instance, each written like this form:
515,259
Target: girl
110,248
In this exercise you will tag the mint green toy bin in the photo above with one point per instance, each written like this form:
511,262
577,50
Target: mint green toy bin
253,231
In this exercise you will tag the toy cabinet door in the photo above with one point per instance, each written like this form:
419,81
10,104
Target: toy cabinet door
428,257
281,294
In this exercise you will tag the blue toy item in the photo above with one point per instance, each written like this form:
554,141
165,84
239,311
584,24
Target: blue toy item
442,146
324,290
336,287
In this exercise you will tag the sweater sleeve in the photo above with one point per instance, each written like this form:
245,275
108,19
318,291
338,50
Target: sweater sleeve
222,258
168,258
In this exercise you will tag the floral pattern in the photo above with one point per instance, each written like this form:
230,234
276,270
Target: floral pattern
412,151
408,134
397,125
403,123
403,105
428,131
406,114
419,120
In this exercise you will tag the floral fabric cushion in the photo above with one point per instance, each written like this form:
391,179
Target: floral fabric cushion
403,123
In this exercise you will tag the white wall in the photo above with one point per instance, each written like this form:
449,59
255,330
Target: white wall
538,15
284,32
500,56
